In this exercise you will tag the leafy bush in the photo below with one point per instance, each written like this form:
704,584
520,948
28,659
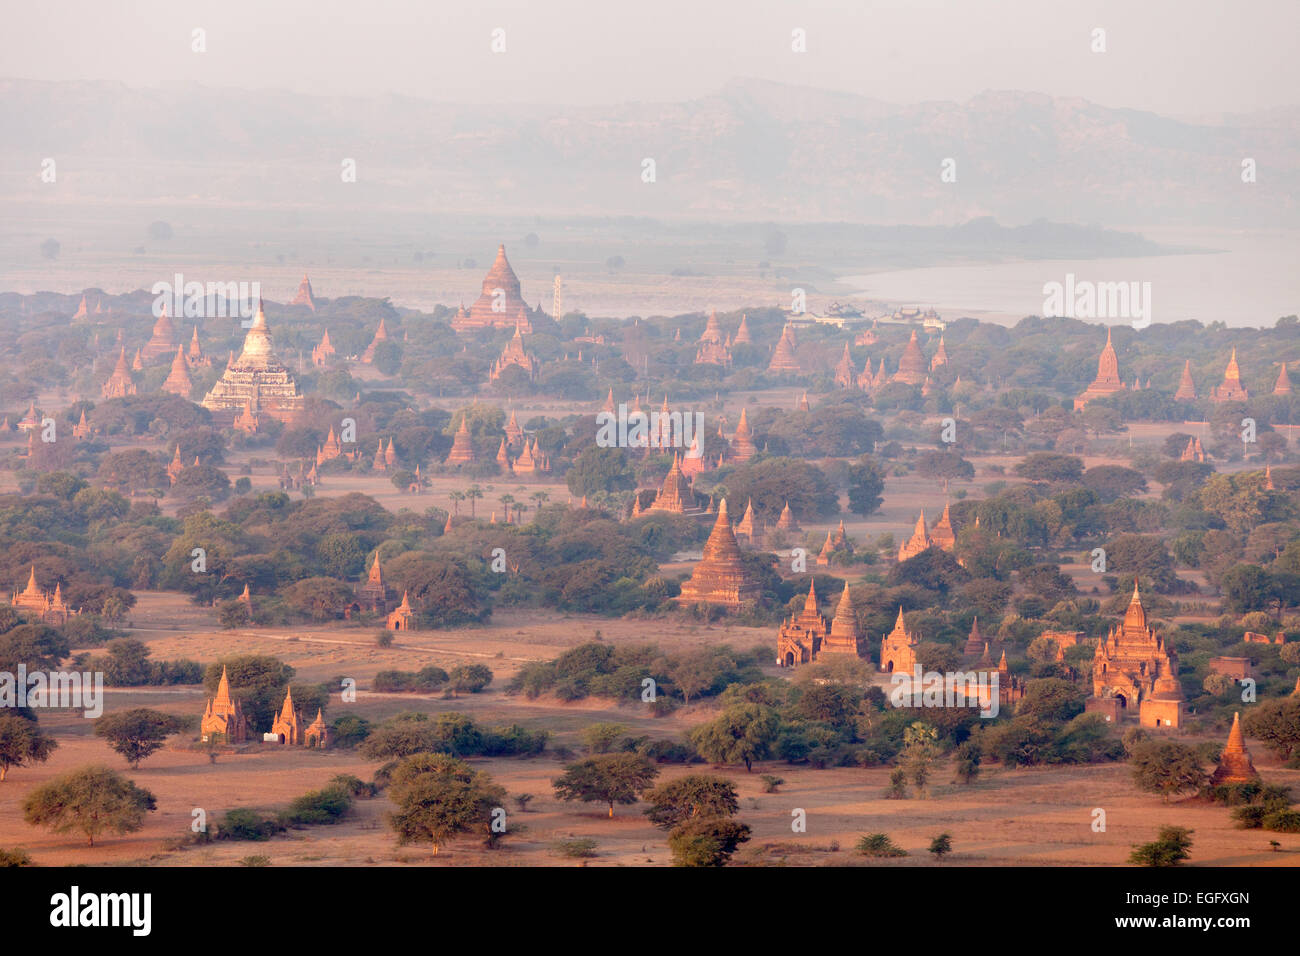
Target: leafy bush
244,824
319,807
879,845
576,849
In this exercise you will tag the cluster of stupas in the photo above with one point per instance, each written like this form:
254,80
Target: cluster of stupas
48,607
837,540
674,495
332,448
1194,451
941,535
223,719
530,460
807,637
1232,389
255,378
913,367
83,309
385,457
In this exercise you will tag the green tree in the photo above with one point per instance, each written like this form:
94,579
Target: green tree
439,797
866,486
469,678
22,743
1050,466
598,470
1167,768
941,845
91,800
608,779
137,734
1277,723
1169,849
879,845
743,733
127,664
1051,698
706,841
968,755
689,798
920,750
599,738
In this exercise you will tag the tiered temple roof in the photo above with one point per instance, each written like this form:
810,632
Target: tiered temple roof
320,354
48,607
799,639
462,446
942,534
846,635
742,443
898,648
1283,386
783,357
846,373
224,715
940,357
514,353
163,341
381,335
304,296
1235,765
1133,664
500,304
675,495
1186,387
750,527
256,376
196,357
119,384
919,541
1107,381
1231,390
721,576
713,349
178,380
912,367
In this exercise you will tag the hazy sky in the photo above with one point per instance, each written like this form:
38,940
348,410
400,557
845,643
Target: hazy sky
1182,57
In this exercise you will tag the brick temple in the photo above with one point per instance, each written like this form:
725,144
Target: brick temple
258,377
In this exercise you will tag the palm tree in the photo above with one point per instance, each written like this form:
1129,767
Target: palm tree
473,493
456,498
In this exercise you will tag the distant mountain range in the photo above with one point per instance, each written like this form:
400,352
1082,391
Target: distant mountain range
753,151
